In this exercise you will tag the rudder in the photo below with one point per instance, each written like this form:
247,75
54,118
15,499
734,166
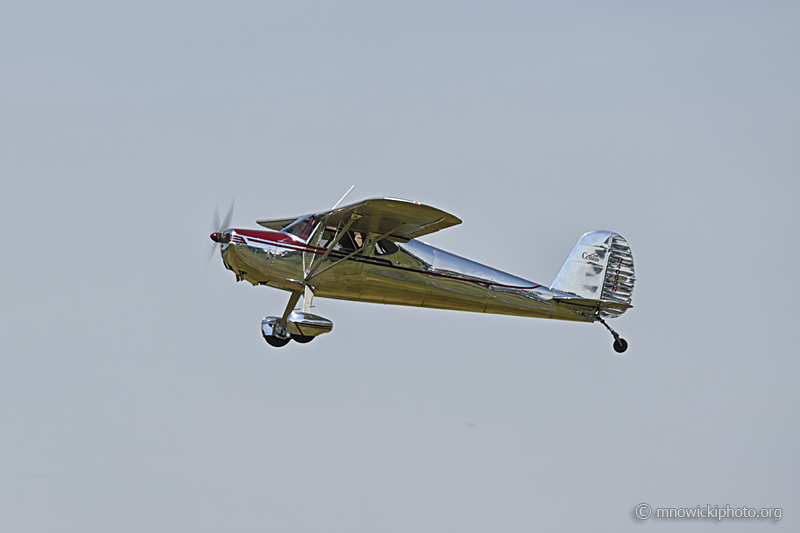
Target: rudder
600,267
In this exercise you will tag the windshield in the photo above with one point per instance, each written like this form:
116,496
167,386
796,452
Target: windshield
301,227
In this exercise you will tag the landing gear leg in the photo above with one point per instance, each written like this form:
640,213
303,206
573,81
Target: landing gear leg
308,295
289,307
620,344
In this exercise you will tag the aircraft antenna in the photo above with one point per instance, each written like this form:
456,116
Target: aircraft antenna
342,198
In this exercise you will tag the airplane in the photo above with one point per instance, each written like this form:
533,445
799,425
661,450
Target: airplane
369,252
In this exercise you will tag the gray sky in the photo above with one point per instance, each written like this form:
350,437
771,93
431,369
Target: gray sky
136,392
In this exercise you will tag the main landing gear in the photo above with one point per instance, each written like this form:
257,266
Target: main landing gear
620,344
277,336
274,329
302,327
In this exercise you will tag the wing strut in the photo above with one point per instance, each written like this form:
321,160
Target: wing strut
314,274
333,243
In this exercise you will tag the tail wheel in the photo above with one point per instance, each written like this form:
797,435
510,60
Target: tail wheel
620,344
303,339
277,342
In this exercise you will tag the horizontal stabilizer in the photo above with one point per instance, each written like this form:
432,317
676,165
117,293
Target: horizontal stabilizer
276,224
597,304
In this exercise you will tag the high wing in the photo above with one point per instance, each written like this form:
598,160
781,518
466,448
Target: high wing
403,218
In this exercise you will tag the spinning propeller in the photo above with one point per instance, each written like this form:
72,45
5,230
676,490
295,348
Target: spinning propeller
219,229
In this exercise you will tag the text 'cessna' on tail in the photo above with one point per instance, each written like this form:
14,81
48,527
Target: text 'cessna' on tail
368,252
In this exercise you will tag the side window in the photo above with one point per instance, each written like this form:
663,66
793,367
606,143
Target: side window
351,242
327,236
385,247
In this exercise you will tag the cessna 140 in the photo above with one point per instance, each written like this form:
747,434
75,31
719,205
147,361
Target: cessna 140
369,252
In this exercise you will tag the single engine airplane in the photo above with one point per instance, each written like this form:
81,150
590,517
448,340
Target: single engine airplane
369,252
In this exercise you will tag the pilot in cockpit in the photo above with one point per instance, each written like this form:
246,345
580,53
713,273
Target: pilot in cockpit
351,242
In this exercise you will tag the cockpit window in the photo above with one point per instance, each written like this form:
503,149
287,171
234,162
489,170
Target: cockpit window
385,247
302,227
351,242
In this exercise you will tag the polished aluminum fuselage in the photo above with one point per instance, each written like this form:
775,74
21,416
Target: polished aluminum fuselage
416,274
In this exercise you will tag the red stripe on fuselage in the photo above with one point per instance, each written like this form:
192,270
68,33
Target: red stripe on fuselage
274,237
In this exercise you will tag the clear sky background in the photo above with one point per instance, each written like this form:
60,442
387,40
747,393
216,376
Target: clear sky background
136,392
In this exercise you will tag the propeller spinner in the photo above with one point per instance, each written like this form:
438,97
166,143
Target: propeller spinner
219,235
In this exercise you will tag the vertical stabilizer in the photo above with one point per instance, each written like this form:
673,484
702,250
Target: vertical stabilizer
600,267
